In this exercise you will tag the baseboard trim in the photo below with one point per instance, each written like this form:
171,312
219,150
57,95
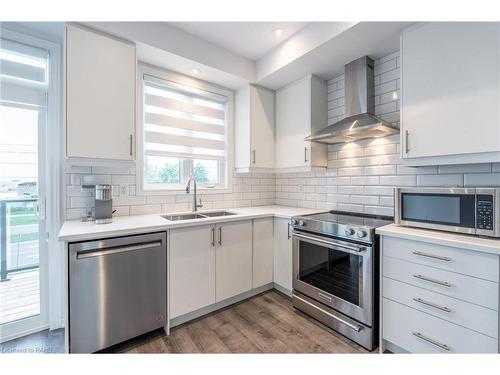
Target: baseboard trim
219,305
283,290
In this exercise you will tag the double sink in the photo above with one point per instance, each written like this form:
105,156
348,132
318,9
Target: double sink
195,215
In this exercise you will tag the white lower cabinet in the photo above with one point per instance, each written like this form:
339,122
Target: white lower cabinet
263,244
418,332
436,299
191,269
283,254
233,255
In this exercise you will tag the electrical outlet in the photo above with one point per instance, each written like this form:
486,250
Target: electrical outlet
123,190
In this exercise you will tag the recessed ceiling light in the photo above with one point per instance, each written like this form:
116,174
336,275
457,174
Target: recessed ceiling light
278,33
195,71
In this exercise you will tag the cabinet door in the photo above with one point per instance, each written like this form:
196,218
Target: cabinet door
450,77
293,124
262,127
191,269
233,259
100,96
262,252
283,254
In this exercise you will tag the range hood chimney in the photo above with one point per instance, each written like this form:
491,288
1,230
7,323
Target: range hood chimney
360,121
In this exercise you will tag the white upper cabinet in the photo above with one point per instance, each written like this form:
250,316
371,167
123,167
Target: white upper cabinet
100,96
301,109
450,93
255,129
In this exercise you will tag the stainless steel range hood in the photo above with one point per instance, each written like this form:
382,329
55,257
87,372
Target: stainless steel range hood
360,121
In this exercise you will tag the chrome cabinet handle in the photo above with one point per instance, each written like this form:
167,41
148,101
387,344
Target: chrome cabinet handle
356,328
407,147
429,279
131,144
288,230
305,154
213,237
427,303
253,156
220,236
431,341
438,257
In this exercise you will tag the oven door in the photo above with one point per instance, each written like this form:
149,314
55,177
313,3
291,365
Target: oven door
336,273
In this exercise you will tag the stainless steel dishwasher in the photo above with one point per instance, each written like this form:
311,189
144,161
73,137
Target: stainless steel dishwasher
117,290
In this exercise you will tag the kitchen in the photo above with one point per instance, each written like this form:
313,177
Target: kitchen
250,187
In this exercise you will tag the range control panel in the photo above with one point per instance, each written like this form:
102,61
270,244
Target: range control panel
484,215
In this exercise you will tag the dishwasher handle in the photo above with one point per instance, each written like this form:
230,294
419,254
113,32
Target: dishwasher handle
116,250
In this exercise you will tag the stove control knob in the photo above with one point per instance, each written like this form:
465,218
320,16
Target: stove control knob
294,221
361,233
301,223
349,231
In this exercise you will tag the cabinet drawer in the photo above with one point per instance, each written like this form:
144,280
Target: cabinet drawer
465,314
472,263
467,288
418,332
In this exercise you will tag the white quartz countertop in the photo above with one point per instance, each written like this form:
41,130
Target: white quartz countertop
75,230
463,241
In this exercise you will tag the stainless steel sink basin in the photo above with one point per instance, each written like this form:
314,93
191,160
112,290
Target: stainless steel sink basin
218,213
184,217
192,216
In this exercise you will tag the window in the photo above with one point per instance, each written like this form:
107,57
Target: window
184,133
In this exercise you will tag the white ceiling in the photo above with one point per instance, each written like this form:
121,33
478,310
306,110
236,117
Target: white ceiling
249,39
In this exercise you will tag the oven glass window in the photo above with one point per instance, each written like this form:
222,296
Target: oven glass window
447,209
332,271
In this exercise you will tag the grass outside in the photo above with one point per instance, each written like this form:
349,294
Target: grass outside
23,219
23,237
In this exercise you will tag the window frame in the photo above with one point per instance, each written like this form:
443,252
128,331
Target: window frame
196,84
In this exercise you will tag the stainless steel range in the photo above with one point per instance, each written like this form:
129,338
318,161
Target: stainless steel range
335,271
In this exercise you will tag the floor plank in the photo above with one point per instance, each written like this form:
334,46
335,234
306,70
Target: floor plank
266,323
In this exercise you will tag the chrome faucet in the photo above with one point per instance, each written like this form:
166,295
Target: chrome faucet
188,190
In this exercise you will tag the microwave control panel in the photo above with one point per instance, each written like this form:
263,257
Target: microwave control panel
484,215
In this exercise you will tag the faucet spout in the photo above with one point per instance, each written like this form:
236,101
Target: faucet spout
196,205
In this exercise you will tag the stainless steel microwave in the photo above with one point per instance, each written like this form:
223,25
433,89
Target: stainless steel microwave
462,210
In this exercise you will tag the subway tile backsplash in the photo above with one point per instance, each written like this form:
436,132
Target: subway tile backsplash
360,177
364,173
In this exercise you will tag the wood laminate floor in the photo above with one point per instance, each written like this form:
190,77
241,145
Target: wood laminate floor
266,323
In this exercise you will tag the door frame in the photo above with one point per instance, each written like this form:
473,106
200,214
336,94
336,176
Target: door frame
50,153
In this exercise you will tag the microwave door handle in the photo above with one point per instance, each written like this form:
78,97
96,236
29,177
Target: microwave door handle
332,244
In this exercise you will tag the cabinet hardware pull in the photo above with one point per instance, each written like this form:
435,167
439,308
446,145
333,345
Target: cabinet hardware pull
431,341
213,237
253,152
439,282
427,303
130,144
419,253
220,235
288,230
407,147
305,154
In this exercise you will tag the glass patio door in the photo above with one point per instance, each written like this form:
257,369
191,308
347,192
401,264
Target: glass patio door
23,117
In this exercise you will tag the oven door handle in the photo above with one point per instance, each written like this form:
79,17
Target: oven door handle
357,249
354,327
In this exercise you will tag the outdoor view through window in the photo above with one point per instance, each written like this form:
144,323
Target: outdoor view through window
22,119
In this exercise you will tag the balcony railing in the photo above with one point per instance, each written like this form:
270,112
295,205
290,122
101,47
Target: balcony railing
18,236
